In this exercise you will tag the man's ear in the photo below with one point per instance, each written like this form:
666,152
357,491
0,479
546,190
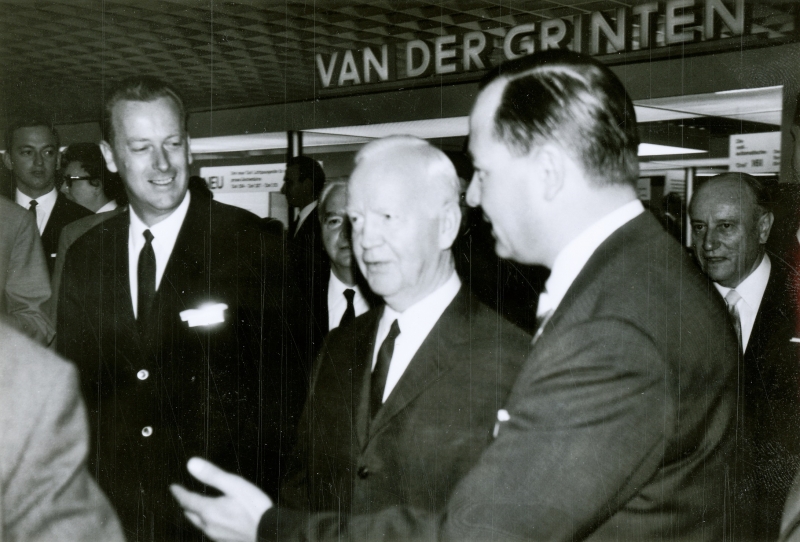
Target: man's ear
7,160
550,168
764,226
189,148
108,154
449,225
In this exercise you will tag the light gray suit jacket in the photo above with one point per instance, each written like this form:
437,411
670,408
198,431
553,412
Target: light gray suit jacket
24,281
46,492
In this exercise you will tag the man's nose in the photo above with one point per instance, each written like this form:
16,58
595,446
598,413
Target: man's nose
369,234
161,159
473,193
38,158
710,240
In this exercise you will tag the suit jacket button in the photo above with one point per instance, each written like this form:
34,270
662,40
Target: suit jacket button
147,431
363,472
143,374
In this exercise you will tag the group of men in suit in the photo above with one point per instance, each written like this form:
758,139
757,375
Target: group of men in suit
620,420
428,417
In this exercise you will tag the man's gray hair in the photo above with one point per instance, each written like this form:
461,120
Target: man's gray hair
437,166
327,189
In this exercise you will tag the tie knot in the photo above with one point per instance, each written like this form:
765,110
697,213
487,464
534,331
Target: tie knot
732,298
32,205
394,331
349,294
148,236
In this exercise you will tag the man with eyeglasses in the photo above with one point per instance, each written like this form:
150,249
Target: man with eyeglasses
32,155
86,179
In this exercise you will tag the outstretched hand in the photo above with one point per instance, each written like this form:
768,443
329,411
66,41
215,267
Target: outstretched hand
232,517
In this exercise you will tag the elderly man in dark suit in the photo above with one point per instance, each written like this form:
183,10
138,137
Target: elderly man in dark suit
175,312
48,494
33,158
406,397
731,223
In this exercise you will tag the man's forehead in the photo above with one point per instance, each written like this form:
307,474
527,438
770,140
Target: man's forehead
728,193
129,112
30,135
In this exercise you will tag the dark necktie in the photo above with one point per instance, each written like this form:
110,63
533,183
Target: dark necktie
146,282
732,300
32,206
381,371
350,311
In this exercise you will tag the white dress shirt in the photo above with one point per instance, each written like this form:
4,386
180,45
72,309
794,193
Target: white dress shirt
110,206
573,257
415,324
337,302
165,233
44,207
752,291
304,212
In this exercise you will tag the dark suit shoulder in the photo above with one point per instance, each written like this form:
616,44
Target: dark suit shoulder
70,210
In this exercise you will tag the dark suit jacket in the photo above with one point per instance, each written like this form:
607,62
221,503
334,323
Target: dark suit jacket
771,408
64,212
230,392
309,267
621,421
427,435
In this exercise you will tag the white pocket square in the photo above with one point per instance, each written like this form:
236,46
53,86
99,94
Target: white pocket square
502,417
205,315
794,340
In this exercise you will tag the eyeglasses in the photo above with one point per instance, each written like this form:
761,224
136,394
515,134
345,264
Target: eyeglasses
69,179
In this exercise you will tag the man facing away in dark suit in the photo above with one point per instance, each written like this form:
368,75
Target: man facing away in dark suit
32,155
405,398
731,223
175,312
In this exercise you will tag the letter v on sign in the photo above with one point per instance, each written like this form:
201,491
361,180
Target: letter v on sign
326,75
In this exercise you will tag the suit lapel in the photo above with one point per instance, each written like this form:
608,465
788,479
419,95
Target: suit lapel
363,366
187,264
436,356
117,277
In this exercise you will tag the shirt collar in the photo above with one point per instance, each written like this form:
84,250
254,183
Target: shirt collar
304,212
422,315
110,206
165,231
752,288
47,201
336,287
573,257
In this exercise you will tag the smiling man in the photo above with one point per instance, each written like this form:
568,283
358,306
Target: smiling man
175,313
731,223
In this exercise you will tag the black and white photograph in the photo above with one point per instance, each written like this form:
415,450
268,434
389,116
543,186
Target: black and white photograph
400,270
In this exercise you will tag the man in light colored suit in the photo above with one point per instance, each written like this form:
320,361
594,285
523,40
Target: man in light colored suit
47,492
24,282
